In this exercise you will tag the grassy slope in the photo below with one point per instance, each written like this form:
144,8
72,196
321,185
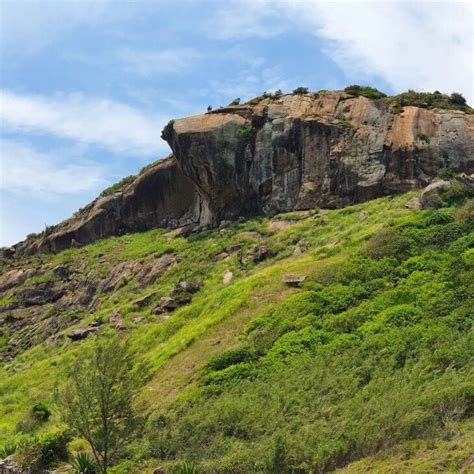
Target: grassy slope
179,348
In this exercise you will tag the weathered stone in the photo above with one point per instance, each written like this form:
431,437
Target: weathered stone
259,253
81,333
46,292
227,278
155,269
430,195
166,304
234,248
119,274
116,320
294,280
299,250
414,203
220,256
13,278
144,300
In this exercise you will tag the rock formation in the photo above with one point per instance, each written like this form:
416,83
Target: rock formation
280,154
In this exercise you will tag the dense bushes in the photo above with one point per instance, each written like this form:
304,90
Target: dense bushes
365,91
429,100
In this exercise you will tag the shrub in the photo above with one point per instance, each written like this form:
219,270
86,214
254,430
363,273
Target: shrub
365,91
41,411
300,90
230,357
429,100
184,468
465,213
245,133
38,414
54,446
457,99
51,448
236,101
387,243
422,137
83,464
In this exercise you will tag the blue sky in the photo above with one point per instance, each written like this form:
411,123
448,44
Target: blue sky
86,86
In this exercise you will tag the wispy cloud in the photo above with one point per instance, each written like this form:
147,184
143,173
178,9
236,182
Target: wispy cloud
24,170
419,44
112,125
157,63
250,83
246,19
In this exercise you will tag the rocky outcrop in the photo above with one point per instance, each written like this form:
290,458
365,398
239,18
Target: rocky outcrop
161,196
301,151
279,154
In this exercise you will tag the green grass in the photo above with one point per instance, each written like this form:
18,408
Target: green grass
374,351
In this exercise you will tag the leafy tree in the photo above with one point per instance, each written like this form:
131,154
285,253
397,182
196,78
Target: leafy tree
97,400
457,99
300,90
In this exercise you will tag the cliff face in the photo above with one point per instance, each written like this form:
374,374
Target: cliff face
300,151
293,152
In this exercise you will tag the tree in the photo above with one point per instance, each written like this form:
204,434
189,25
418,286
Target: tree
97,400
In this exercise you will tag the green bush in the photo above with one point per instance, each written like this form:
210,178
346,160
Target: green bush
465,213
429,100
300,90
387,243
422,137
45,451
41,411
365,91
230,357
245,133
457,99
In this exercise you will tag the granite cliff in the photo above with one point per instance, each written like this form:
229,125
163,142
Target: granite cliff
277,154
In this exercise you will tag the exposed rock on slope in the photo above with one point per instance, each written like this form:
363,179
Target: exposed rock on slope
161,196
280,154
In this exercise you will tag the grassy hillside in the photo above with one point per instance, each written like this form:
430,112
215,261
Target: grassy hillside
372,356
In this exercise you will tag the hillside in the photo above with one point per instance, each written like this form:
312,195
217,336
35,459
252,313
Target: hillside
375,349
296,289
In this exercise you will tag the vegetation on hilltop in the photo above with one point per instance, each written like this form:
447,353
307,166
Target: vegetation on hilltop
426,100
374,354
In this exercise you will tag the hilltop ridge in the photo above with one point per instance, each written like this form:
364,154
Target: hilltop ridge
278,153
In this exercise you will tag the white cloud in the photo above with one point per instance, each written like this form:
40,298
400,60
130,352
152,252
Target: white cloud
27,26
246,19
421,45
24,170
157,63
112,125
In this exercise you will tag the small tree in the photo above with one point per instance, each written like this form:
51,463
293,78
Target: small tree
300,90
97,400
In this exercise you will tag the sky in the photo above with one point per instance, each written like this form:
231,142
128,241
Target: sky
87,86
